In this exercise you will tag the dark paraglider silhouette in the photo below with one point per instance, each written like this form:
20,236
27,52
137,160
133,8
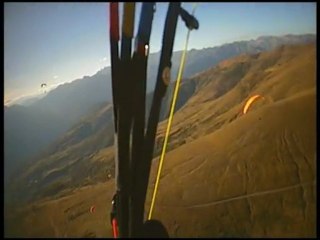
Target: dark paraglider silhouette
44,86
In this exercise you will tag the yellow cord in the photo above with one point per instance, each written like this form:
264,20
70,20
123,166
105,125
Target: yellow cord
174,100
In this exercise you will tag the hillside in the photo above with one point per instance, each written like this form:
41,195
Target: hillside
254,177
222,90
68,162
21,124
226,174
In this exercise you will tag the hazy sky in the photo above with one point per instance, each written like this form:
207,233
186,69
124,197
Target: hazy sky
60,42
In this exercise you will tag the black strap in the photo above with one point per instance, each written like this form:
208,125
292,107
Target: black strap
114,52
124,113
140,59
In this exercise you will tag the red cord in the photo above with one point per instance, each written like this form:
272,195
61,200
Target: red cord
115,228
114,20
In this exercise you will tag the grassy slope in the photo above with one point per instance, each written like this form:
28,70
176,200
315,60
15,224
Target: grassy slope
255,177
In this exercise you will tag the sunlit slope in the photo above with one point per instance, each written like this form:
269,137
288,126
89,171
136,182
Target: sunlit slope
254,177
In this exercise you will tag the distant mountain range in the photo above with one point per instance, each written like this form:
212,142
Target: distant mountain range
30,129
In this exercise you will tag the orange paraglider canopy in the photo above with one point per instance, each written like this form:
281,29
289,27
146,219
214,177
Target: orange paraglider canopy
250,101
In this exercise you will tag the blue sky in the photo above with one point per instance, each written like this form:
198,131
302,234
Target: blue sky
60,42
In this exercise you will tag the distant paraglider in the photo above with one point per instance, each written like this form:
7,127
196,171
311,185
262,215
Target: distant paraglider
44,87
92,209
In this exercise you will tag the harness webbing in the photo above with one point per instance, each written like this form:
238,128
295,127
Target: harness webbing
133,142
139,78
114,52
125,118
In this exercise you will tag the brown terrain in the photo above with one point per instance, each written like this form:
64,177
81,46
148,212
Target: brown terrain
226,174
